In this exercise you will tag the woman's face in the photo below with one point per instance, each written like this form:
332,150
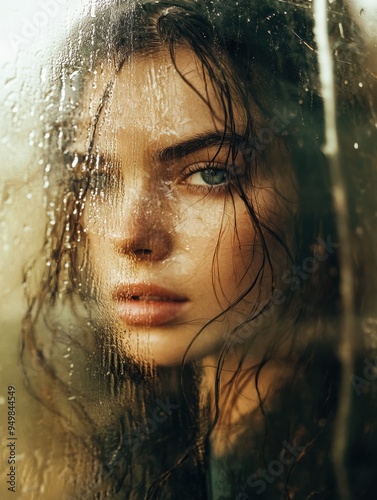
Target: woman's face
169,247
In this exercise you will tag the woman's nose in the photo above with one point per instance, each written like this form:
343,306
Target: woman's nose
143,232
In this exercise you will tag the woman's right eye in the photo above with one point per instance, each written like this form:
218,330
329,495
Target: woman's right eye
94,173
99,181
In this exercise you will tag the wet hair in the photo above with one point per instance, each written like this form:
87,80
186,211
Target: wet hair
255,57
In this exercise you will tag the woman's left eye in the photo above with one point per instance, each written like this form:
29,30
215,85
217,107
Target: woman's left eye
207,177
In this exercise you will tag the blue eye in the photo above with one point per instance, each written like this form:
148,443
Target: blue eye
208,177
214,177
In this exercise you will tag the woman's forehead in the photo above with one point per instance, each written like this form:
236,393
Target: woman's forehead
149,95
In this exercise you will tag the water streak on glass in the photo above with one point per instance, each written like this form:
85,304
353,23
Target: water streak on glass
348,327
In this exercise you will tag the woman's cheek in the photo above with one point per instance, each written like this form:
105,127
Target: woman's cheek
199,217
196,235
220,239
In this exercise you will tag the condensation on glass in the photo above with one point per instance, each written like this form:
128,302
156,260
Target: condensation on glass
188,249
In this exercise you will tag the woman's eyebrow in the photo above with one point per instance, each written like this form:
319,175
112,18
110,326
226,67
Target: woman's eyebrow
198,142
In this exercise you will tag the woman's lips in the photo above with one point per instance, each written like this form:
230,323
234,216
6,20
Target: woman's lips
143,304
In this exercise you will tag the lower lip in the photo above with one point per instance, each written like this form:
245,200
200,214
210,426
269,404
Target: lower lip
149,312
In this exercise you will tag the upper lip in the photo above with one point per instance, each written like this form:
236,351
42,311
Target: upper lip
145,291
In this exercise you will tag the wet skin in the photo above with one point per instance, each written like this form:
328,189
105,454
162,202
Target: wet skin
169,247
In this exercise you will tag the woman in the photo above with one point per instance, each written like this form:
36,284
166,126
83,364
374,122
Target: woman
187,323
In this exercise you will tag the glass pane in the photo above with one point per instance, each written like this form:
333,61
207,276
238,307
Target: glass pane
188,279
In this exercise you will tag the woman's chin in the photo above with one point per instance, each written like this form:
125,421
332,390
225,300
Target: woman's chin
168,348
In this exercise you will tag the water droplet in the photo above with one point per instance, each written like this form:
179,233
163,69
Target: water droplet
75,161
43,75
8,200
